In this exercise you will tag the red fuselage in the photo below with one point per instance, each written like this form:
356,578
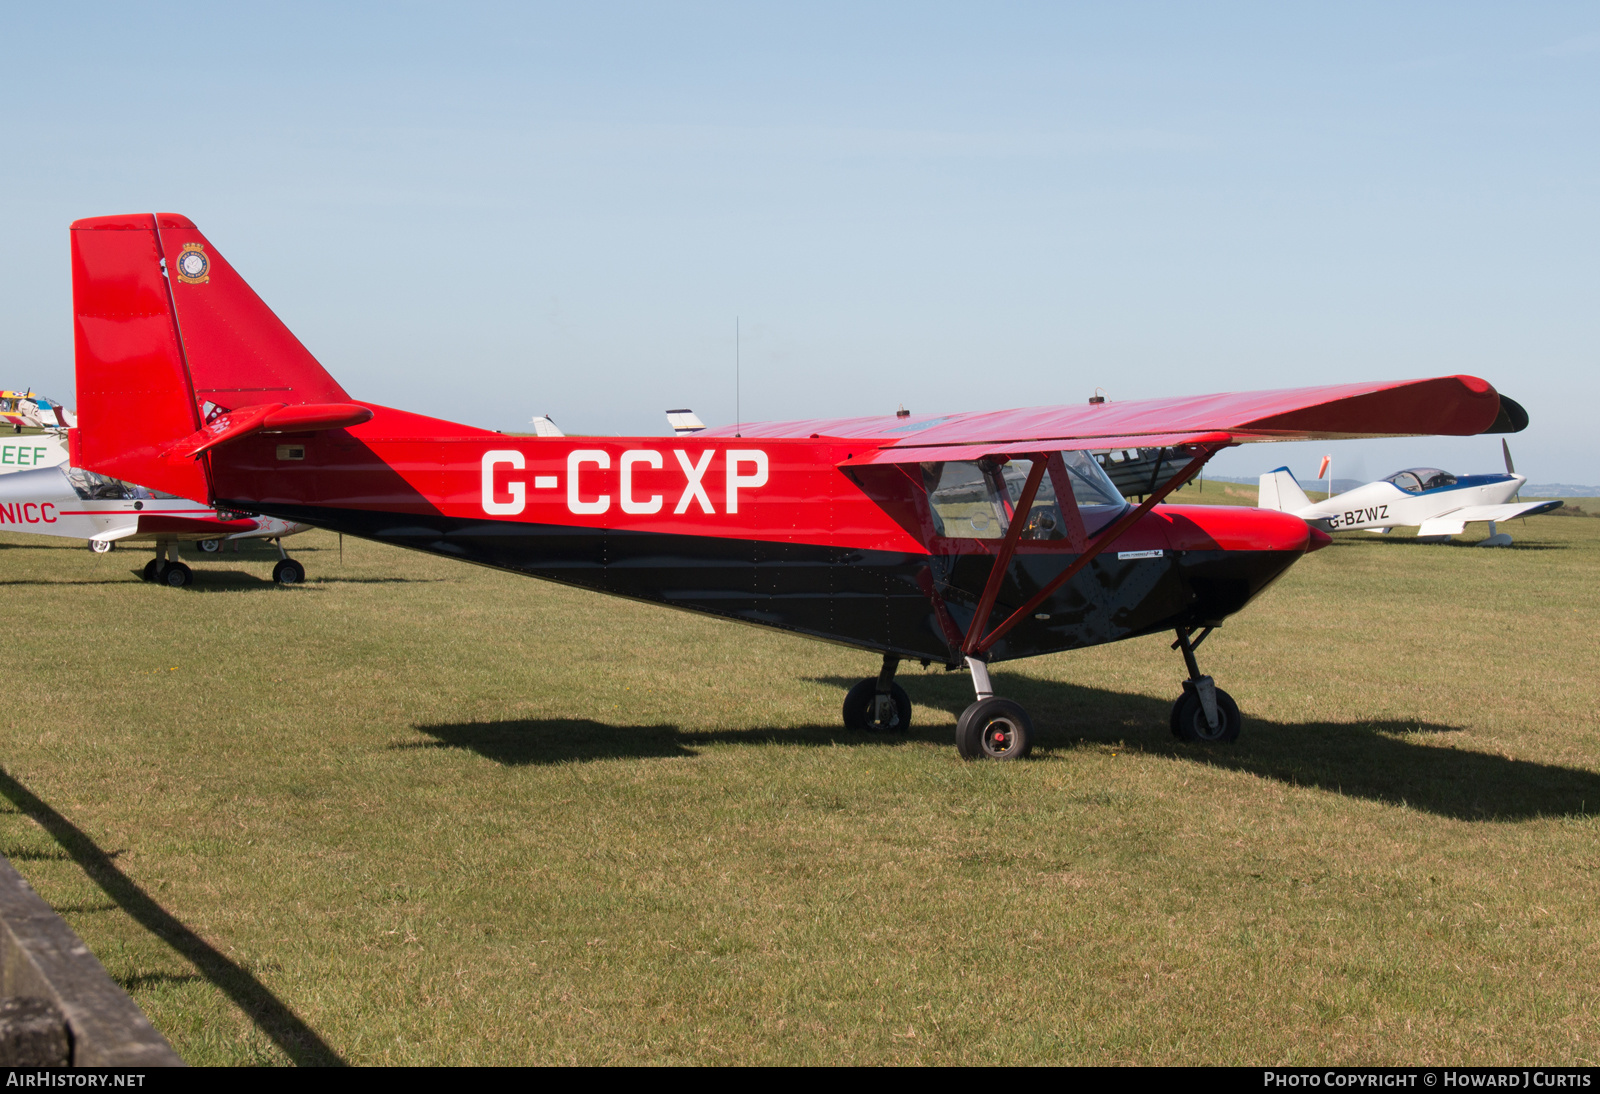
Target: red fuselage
765,530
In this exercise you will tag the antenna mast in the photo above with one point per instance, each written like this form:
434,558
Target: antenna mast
738,417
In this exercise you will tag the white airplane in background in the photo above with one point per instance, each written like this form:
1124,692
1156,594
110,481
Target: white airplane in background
1437,503
27,453
77,504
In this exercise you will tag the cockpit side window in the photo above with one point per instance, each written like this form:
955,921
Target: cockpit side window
1406,481
94,487
976,499
964,500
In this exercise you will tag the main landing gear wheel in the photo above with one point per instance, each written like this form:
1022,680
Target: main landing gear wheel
994,729
861,711
101,546
177,575
288,572
152,569
210,546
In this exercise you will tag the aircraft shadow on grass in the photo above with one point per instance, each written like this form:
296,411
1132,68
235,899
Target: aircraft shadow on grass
1378,761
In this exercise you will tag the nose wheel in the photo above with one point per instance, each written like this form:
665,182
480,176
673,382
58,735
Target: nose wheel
1204,713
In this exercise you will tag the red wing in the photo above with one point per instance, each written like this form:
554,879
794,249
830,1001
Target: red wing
1449,405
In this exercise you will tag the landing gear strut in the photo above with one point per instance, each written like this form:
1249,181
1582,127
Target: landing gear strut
1204,712
878,705
167,571
992,728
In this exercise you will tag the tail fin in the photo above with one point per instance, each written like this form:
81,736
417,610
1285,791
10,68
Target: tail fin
1281,491
166,332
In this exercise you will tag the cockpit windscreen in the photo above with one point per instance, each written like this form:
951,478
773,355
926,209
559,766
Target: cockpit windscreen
1414,480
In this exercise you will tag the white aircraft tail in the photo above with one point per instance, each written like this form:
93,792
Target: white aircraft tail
1281,491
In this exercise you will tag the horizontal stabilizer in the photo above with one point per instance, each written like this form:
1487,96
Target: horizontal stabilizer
271,418
684,422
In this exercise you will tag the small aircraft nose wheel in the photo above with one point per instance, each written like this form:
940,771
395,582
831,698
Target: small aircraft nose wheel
1189,717
177,575
994,729
101,546
861,711
210,546
288,572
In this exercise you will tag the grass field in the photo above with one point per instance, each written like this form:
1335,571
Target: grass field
419,812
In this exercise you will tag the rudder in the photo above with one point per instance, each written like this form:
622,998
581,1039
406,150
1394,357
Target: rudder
1281,491
167,334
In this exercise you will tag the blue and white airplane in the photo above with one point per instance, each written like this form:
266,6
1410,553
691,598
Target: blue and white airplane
1437,503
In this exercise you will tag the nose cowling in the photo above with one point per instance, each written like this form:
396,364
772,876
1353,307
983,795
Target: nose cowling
1228,554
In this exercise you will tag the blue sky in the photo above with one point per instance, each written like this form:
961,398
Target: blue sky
486,212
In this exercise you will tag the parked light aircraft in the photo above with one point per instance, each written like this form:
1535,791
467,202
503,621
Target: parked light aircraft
1440,505
24,408
79,504
901,536
32,451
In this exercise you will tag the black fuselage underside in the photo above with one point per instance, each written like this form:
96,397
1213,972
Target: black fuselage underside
914,605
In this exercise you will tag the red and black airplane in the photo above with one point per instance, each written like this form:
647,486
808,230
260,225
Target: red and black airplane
963,538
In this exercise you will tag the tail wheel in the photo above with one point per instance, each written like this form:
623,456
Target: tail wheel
288,572
177,575
101,546
1189,719
860,709
210,546
994,729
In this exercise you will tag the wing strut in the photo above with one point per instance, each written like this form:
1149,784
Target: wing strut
975,648
1008,547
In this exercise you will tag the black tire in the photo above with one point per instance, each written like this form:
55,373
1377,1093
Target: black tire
994,729
210,546
152,569
288,572
858,706
101,546
177,575
1189,719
